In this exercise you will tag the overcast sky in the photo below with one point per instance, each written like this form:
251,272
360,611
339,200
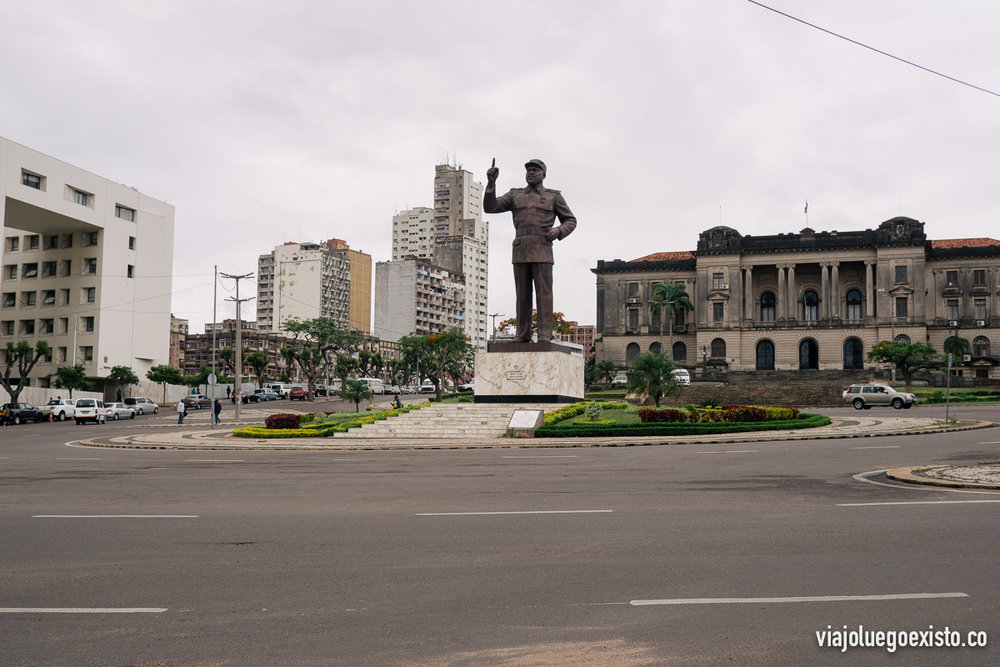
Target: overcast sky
267,122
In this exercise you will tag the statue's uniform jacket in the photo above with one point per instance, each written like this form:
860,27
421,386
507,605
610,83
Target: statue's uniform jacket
535,212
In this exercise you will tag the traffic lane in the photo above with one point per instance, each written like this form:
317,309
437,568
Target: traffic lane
532,578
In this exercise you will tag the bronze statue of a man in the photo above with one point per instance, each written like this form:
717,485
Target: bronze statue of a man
536,209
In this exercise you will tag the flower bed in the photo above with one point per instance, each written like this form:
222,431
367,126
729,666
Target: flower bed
318,425
575,430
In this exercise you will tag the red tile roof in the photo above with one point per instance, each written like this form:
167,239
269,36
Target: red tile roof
665,256
964,243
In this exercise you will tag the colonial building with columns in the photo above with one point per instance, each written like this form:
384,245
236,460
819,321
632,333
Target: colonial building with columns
808,300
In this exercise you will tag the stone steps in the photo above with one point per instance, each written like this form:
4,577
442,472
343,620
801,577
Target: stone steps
462,420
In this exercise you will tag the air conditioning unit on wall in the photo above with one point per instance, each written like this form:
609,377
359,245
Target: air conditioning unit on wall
980,323
953,323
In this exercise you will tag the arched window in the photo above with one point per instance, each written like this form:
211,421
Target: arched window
808,355
655,348
853,299
810,306
767,307
902,338
765,355
680,352
980,346
853,354
631,352
719,348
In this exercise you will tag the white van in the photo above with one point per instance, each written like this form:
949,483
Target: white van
279,388
682,376
375,384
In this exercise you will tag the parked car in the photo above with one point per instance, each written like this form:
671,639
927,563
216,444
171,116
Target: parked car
864,396
468,386
409,389
60,409
197,401
682,376
117,411
90,410
320,390
265,394
142,405
619,381
250,397
392,389
279,388
427,386
297,393
15,413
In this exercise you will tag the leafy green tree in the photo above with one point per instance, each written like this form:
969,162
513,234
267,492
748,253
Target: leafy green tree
123,376
165,374
907,357
956,345
22,357
668,299
605,370
651,374
72,377
320,343
397,371
258,361
559,323
370,364
357,391
436,355
199,378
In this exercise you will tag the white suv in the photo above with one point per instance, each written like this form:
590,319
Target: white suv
864,396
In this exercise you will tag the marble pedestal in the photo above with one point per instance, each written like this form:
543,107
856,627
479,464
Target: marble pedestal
529,373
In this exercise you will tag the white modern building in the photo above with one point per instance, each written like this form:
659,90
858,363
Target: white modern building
413,296
309,280
87,266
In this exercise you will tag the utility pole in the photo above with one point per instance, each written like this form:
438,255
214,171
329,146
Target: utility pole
239,339
215,299
494,316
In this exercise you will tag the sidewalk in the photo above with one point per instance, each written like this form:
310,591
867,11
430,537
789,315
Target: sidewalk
181,437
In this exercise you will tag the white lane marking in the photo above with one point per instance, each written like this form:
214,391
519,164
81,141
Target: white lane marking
24,437
995,442
918,502
863,477
82,610
216,460
524,512
734,451
114,516
814,598
542,456
80,458
879,447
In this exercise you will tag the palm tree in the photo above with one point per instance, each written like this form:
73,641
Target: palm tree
357,391
668,299
652,374
605,370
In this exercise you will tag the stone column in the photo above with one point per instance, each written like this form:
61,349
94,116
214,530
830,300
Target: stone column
792,311
835,292
824,291
748,311
869,290
782,296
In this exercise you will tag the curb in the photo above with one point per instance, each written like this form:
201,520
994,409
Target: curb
910,475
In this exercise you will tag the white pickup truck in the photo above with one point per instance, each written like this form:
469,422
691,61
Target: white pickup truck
59,409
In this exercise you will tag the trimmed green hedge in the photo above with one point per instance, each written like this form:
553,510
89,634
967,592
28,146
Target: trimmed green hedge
669,428
321,427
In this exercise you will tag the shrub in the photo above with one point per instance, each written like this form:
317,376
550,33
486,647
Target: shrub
592,411
648,416
585,430
282,421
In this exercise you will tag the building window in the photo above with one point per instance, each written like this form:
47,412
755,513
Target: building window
89,294
901,273
88,323
61,355
951,278
27,328
718,312
51,242
718,349
979,277
7,327
65,267
631,352
680,352
632,290
33,241
81,197
853,355
655,318
131,243
853,300
64,296
810,306
63,325
125,213
980,346
9,299
32,180
901,338
979,308
48,326
130,271
48,269
10,271
951,308
655,348
89,265
13,243
902,307
48,297
89,239
66,241
87,352
29,270
765,355
767,312
633,319
29,298
718,282
808,355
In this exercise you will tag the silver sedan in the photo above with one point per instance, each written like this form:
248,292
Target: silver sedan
119,410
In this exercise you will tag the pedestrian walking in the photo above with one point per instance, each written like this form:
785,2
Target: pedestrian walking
180,407
218,411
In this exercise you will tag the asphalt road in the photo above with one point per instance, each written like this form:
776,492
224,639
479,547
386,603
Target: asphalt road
697,554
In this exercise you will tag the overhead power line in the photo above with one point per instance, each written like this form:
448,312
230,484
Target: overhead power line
872,48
